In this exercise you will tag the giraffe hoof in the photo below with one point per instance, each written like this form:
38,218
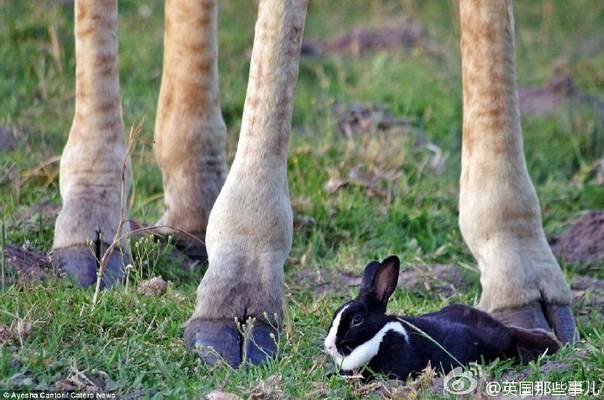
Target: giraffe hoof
191,245
546,317
220,340
561,320
80,264
192,249
214,341
261,345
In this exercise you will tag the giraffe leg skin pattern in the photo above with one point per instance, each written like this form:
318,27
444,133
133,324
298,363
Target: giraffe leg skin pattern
499,213
250,227
95,169
190,133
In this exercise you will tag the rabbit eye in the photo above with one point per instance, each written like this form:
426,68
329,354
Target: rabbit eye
357,319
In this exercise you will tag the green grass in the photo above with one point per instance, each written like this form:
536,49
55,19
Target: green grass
132,344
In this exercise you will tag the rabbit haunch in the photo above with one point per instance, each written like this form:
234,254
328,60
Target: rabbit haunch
361,334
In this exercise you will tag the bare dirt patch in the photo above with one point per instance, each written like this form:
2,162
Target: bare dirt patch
323,281
583,240
407,34
30,265
364,118
444,280
555,93
374,180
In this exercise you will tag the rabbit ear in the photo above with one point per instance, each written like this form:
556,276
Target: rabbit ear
379,282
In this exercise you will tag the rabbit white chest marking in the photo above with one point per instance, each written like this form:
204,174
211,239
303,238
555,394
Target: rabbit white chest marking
362,354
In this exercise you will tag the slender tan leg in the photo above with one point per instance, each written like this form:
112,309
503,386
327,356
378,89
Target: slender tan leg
250,227
190,133
499,216
90,173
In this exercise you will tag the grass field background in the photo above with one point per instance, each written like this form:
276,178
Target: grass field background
400,195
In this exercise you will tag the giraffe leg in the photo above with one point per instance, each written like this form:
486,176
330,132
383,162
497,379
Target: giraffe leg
190,133
91,164
250,227
500,218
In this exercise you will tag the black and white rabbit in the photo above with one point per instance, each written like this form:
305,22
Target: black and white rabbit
361,334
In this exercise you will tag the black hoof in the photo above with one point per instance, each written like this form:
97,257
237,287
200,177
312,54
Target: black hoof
193,249
538,316
261,343
80,264
214,341
561,320
220,340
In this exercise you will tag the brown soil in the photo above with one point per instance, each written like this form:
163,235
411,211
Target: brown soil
555,93
444,280
583,240
30,265
364,118
407,34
